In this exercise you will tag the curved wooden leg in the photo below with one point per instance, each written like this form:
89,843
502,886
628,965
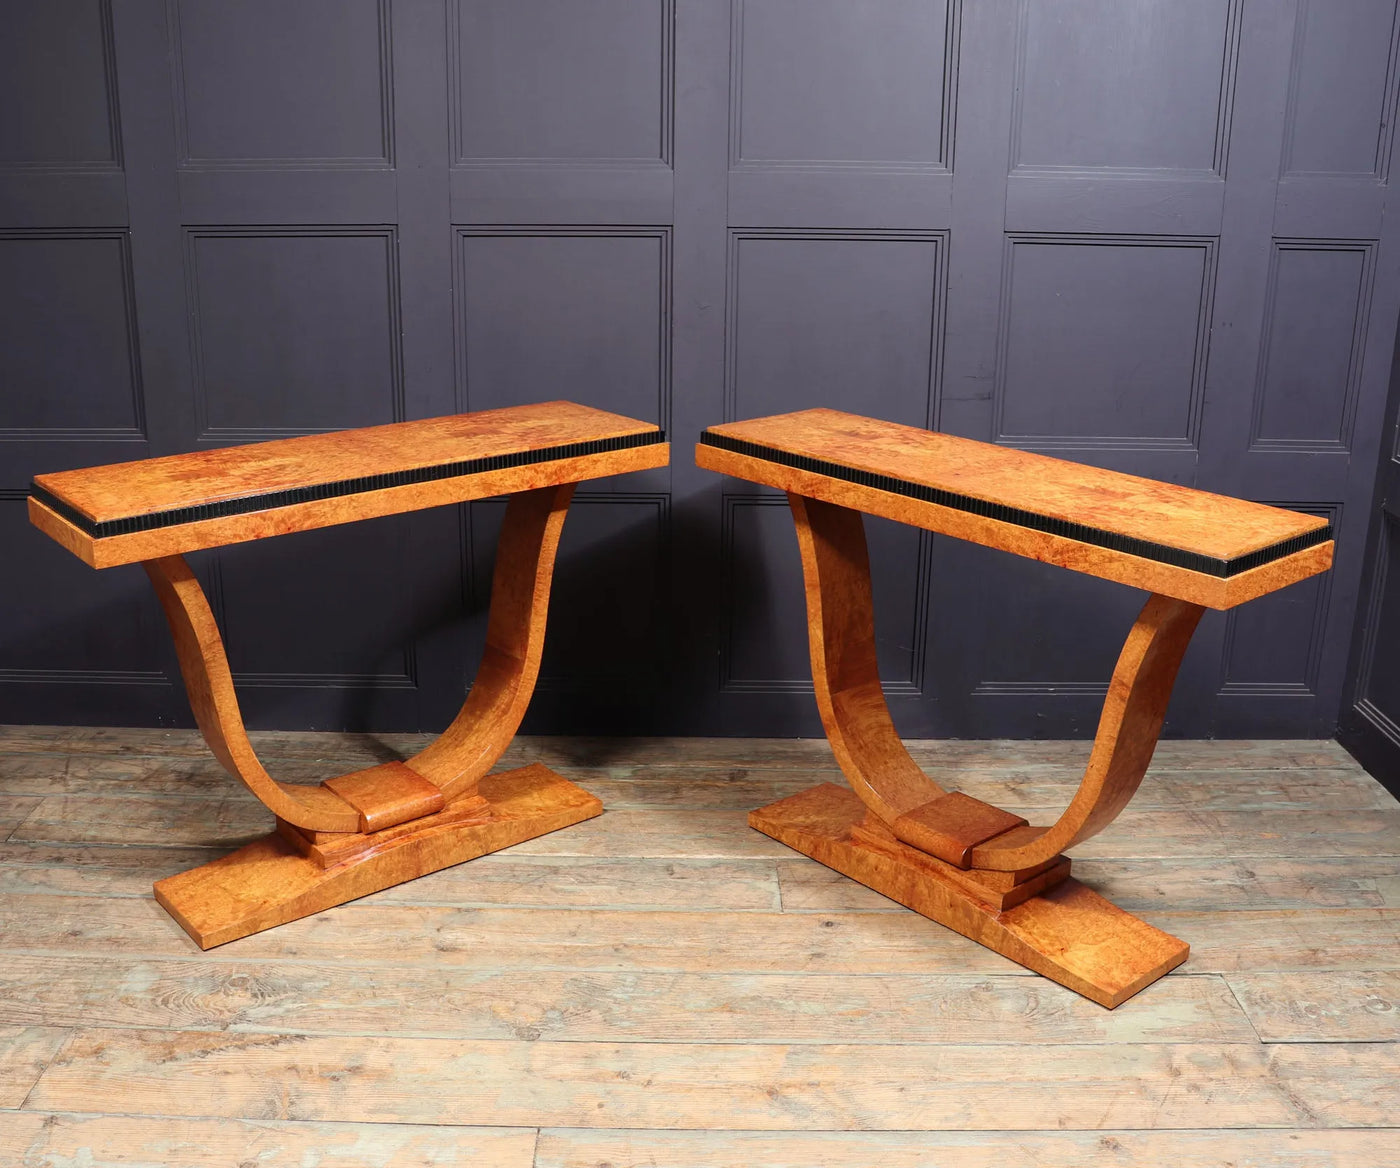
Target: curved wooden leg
845,674
209,684
371,829
510,665
1131,721
965,863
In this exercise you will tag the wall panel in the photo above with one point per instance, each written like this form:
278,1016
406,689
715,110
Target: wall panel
557,312
70,355
1314,337
1123,320
1153,235
1342,92
1093,93
552,80
844,315
294,331
266,83
819,81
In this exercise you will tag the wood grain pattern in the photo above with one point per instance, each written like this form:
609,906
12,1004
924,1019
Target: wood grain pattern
113,743
1193,521
526,957
24,1052
1179,833
845,676
52,1140
257,996
510,662
740,885
845,672
952,825
387,795
1148,884
1016,896
1322,1007
14,810
474,741
758,1087
270,882
331,849
1065,932
48,1140
209,685
852,943
156,485
997,890
499,880
390,822
1122,567
1028,786
1133,712
1111,1148
147,545
376,827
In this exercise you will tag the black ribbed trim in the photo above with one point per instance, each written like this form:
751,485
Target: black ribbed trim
290,498
1163,553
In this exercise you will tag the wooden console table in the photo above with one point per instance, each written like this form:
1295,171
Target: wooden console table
378,827
964,863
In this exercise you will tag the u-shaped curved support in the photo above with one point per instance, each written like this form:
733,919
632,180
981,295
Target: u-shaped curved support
479,734
505,680
1126,738
845,674
840,617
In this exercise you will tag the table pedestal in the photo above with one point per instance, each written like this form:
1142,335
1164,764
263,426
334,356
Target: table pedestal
375,828
985,873
1049,922
286,875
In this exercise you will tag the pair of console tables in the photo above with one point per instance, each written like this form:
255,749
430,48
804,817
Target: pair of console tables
971,866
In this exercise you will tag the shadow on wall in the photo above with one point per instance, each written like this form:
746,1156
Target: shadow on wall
611,646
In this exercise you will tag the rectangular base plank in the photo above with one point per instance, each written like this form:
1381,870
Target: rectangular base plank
270,882
1068,932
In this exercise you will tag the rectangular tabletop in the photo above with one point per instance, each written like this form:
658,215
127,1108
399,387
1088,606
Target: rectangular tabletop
131,511
1206,548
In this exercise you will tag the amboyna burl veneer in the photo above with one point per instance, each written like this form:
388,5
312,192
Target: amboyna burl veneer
964,863
374,828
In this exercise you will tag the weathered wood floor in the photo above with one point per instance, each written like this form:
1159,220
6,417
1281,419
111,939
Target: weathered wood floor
664,986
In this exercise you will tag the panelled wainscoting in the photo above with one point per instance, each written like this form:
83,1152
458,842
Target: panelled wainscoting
1151,235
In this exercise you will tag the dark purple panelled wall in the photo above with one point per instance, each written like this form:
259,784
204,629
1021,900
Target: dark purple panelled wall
1154,235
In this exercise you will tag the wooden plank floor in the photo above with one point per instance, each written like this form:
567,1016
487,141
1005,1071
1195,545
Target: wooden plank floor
663,986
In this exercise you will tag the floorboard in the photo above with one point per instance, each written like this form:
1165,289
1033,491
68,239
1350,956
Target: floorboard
1103,1149
663,986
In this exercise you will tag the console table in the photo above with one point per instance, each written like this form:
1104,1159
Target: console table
973,867
374,828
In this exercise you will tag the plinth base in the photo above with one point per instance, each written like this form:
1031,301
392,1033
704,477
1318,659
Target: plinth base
1067,932
272,881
